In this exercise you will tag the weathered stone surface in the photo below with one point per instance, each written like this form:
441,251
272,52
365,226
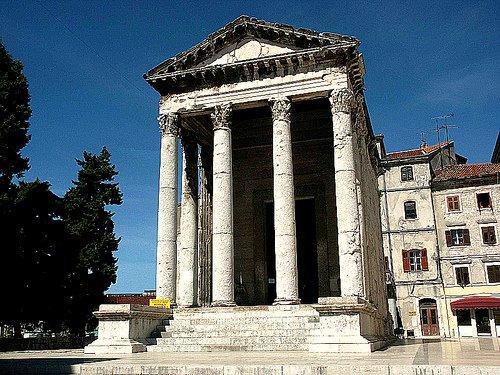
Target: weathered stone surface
223,246
350,258
284,205
166,255
125,328
187,256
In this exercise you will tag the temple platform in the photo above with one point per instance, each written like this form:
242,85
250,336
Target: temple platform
339,326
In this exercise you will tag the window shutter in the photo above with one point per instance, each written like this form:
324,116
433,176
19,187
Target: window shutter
448,238
450,203
406,261
466,237
425,263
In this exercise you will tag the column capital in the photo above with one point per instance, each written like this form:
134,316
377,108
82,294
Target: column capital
281,108
222,115
169,123
342,100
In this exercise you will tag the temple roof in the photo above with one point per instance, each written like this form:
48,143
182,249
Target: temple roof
250,48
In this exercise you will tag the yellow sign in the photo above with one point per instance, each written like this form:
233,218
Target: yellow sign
160,302
412,313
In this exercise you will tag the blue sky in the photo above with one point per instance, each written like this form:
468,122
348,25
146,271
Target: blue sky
84,61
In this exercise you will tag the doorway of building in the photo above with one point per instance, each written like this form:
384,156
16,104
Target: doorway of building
307,257
429,317
483,322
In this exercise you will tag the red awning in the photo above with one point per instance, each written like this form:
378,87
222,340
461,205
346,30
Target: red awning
476,303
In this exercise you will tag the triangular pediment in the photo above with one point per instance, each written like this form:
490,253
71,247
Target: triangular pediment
247,49
247,38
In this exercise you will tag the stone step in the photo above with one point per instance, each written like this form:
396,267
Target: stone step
298,332
234,341
213,348
236,327
243,322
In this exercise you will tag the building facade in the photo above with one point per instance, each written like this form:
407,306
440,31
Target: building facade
279,210
429,199
410,237
466,200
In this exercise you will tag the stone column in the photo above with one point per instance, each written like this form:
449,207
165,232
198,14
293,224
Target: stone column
187,256
166,253
222,219
285,242
348,224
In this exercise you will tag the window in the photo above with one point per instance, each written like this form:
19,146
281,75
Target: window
493,271
410,210
483,200
453,203
406,173
415,260
457,237
463,318
462,275
489,235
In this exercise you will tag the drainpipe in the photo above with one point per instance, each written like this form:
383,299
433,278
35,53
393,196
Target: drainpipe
438,264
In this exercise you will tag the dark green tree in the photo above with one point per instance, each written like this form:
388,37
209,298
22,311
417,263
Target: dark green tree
91,228
42,259
15,112
14,115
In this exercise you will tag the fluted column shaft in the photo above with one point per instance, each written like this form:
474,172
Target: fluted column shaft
348,224
285,242
187,256
166,252
222,216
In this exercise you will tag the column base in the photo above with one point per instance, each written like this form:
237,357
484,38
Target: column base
284,301
223,304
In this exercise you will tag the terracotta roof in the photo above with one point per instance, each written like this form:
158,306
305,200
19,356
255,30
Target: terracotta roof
463,171
135,299
415,153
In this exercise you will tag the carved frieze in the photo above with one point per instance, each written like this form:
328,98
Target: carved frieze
222,115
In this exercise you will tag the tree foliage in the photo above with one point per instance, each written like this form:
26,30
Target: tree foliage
56,254
15,112
91,229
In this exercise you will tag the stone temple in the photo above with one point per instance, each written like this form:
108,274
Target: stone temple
277,243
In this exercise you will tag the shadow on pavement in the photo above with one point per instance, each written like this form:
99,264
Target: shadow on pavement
44,365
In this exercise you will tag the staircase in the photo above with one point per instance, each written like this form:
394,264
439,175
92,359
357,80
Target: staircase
248,328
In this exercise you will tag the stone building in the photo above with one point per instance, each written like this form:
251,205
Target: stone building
466,201
279,211
440,240
410,238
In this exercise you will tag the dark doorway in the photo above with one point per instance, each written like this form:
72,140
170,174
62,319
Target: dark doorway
307,257
483,322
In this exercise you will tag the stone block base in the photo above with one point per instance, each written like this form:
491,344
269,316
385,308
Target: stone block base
125,328
118,346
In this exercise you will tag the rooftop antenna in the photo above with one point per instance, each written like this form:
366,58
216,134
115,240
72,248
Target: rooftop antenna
423,139
442,123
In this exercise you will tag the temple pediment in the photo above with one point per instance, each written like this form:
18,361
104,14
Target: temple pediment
247,39
247,49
